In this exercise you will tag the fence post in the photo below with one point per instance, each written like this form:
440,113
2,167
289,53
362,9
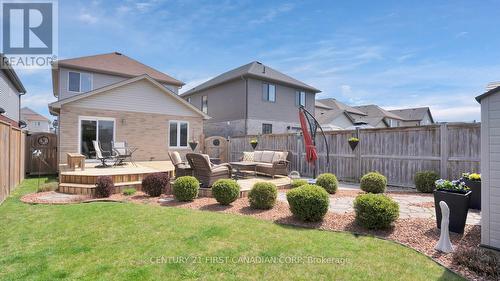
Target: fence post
444,150
358,155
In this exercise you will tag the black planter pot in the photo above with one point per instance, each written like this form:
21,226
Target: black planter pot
459,207
254,144
193,145
353,144
475,197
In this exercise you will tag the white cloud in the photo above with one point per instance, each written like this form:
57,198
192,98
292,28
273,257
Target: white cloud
37,101
272,13
86,17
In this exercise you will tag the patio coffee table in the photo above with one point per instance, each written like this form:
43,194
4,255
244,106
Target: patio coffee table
242,168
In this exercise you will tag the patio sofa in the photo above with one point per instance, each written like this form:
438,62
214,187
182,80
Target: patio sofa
206,172
269,162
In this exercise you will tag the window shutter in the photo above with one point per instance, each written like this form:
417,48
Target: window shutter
297,98
264,91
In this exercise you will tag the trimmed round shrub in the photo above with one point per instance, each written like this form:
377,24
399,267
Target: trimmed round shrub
186,188
375,211
104,187
298,183
225,191
425,181
328,181
373,183
263,195
308,202
155,184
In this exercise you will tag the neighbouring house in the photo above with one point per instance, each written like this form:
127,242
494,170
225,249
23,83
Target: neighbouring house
35,122
112,97
335,115
419,116
251,99
490,165
11,90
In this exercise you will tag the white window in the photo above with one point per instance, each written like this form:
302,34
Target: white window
300,98
269,92
79,82
204,104
178,134
267,128
189,99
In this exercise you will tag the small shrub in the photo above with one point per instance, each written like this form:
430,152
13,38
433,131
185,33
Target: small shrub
225,191
104,187
425,181
49,186
375,211
263,195
373,183
479,260
186,188
298,183
154,184
129,191
328,181
308,202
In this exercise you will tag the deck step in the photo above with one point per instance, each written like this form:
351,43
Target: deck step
89,189
80,185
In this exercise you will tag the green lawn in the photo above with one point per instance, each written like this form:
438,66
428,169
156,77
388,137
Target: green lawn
113,241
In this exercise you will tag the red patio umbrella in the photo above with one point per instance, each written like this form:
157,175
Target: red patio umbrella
311,153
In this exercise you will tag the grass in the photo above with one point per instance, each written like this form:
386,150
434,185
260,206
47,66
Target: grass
125,241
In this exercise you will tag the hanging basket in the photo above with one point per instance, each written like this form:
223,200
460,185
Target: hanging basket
193,145
353,144
254,144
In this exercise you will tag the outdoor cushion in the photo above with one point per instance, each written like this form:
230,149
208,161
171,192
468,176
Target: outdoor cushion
267,156
247,156
208,159
219,170
176,158
257,156
267,165
278,156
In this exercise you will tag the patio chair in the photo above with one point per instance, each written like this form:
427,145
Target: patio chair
181,168
102,155
206,172
121,152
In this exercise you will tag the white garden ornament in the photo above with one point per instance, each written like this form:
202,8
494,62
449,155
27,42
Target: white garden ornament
444,243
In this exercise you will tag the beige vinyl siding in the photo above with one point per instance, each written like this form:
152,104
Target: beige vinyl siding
139,96
9,97
99,80
490,169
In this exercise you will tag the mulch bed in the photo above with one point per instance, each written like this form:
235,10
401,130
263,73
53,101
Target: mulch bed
53,198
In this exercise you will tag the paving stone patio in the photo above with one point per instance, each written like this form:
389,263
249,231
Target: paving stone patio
407,205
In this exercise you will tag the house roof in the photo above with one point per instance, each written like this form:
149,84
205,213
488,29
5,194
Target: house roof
413,114
30,114
117,64
53,107
329,116
488,92
11,74
335,104
254,69
319,104
373,110
369,120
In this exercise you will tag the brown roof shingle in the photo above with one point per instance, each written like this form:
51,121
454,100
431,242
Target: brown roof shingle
118,64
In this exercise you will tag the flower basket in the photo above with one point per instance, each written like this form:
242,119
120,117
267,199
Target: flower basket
353,142
193,145
254,143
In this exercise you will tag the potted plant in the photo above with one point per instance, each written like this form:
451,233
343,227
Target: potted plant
473,181
254,143
353,142
456,195
193,144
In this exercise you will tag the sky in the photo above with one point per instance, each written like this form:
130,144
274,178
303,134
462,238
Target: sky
396,54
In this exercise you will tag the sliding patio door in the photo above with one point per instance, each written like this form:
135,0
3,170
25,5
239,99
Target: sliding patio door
100,129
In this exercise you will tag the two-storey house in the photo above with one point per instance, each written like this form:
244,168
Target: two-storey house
35,122
112,97
251,99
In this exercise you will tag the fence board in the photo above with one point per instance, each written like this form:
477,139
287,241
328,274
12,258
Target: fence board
11,158
398,153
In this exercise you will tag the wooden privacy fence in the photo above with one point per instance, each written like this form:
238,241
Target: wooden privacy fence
398,153
12,158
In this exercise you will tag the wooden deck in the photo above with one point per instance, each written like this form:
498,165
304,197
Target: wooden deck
83,182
